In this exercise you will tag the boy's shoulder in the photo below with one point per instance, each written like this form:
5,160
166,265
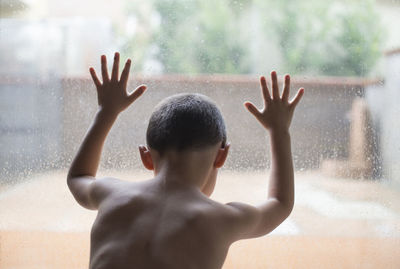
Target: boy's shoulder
146,192
110,190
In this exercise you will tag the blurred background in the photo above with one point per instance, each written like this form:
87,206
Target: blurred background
345,133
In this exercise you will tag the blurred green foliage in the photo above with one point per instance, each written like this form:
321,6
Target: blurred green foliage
326,37
204,36
200,36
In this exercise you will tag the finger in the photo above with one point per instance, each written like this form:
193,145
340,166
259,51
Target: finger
114,74
94,77
286,89
275,88
297,98
104,71
265,91
125,73
252,109
136,93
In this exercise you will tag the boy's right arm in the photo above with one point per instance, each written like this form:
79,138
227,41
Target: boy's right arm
253,221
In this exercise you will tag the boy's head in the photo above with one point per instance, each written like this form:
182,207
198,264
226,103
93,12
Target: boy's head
185,122
187,131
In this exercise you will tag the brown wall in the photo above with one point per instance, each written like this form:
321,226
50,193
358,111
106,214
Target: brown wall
320,128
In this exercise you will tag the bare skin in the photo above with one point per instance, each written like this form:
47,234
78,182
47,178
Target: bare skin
169,221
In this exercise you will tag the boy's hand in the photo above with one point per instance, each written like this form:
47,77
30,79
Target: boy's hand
111,94
278,111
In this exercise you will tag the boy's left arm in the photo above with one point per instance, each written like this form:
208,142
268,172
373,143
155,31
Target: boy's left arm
112,99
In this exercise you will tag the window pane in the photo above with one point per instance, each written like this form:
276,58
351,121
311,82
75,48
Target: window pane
345,132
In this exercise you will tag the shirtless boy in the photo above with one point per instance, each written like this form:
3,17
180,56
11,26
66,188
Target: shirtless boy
169,222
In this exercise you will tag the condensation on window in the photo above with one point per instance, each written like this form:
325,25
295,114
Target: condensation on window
345,132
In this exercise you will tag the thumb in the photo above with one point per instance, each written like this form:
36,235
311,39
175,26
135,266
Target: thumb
252,109
136,93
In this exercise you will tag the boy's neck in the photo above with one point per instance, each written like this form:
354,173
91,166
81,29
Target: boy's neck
190,169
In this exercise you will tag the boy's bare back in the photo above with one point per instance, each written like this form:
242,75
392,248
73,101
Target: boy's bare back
148,226
169,221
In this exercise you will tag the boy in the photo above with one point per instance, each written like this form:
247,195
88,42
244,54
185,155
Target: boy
169,221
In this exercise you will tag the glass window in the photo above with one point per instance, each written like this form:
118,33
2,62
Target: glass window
346,54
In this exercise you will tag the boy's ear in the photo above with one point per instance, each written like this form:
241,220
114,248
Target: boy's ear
221,156
146,157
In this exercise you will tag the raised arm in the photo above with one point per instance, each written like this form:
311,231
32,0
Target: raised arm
112,99
275,117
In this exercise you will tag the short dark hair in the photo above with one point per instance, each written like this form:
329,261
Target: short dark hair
185,121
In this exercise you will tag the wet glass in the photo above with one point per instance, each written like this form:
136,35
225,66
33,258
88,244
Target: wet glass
345,132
